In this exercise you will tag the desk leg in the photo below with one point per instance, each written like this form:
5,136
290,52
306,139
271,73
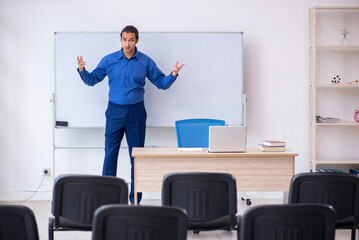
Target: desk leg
135,181
285,197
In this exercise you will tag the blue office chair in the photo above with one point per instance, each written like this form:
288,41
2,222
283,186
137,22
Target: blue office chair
194,132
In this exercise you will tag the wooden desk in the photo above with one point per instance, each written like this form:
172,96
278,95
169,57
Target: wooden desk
254,170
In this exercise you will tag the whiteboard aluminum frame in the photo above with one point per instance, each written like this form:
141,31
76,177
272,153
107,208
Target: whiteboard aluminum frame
53,97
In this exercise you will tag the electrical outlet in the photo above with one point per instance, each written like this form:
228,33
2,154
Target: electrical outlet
45,171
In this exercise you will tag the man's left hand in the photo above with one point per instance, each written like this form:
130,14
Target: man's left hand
176,69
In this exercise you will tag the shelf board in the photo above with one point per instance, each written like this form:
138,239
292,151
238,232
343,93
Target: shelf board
354,9
330,85
337,48
339,124
337,161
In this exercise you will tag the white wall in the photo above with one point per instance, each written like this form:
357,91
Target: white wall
275,78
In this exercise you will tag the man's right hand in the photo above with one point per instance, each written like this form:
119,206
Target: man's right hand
81,64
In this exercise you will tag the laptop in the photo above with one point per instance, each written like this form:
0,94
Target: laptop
227,139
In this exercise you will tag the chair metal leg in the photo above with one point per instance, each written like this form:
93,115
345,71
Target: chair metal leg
353,233
51,229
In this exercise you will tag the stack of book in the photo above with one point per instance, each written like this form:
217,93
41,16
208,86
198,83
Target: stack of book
320,119
354,171
272,146
328,170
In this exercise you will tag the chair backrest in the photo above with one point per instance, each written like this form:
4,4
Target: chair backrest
118,221
339,190
76,197
288,222
195,132
205,196
17,222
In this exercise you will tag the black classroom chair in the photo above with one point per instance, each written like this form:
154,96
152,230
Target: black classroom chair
17,223
210,199
118,221
288,222
340,190
76,197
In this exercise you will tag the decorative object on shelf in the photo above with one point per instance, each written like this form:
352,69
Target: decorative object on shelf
336,79
353,82
320,119
356,115
345,40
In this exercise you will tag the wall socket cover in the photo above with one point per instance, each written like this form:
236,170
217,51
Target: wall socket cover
45,171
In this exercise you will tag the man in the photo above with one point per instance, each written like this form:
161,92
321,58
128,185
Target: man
126,70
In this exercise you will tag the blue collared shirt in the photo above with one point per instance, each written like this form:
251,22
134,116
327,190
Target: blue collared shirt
126,77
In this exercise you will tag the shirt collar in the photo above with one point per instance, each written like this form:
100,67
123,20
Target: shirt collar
123,56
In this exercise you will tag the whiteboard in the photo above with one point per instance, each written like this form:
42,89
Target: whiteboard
210,85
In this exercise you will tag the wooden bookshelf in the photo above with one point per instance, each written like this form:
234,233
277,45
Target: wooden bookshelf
332,54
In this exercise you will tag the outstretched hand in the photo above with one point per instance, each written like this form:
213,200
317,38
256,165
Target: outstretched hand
176,69
81,64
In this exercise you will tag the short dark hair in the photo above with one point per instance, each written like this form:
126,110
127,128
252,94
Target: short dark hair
130,29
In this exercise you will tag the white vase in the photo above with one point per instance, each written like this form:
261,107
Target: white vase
345,41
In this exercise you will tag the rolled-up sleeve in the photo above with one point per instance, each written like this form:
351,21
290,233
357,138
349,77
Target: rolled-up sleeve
96,76
158,78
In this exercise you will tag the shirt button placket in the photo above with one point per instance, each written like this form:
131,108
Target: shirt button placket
126,80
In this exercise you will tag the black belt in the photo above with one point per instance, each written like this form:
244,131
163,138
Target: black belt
123,105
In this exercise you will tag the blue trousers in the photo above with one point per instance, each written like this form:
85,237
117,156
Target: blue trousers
120,120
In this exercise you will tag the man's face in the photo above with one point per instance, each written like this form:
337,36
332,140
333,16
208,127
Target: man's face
128,41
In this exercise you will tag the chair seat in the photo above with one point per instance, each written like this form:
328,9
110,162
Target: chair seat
225,222
66,224
345,223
